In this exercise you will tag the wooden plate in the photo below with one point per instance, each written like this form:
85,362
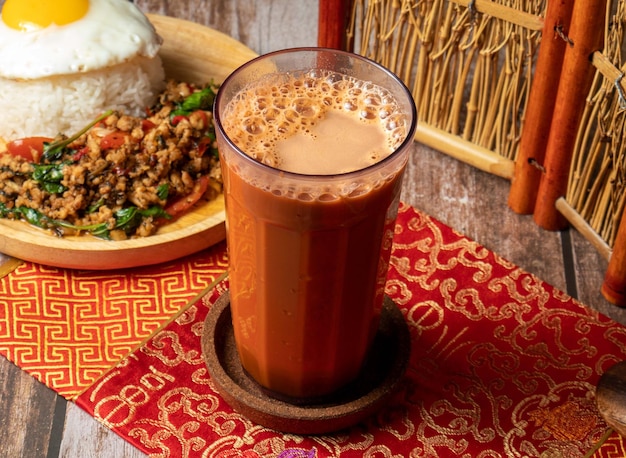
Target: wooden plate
190,52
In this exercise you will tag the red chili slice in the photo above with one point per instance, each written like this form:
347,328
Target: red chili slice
147,125
24,147
203,145
183,204
113,140
80,153
203,115
178,118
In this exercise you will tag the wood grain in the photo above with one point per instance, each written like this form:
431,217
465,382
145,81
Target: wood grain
27,411
470,200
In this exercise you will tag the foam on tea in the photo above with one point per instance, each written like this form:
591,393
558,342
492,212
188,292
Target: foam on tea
315,123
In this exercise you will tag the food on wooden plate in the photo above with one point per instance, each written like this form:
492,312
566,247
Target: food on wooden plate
67,62
121,176
64,62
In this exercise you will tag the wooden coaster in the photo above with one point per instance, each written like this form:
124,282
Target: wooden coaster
611,397
384,369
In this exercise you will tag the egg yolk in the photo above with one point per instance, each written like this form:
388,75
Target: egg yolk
31,15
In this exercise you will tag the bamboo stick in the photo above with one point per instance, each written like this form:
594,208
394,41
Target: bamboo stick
584,228
514,16
616,219
606,67
333,23
465,151
586,34
542,98
472,106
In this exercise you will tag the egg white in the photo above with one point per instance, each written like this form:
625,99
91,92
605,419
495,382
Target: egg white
112,32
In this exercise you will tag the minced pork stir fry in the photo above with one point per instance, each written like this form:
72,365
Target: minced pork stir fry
123,176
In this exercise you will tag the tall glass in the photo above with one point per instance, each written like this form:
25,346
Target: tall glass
313,144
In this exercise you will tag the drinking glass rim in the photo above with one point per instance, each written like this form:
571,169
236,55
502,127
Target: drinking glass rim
410,137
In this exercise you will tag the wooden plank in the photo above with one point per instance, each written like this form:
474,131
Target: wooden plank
263,25
27,412
474,203
86,438
589,269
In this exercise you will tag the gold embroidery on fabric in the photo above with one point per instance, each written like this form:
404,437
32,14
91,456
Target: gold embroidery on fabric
569,421
425,315
188,316
167,348
465,393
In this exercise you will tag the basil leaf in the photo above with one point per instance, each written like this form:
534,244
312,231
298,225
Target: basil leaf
199,100
128,219
54,151
95,206
49,177
34,217
163,191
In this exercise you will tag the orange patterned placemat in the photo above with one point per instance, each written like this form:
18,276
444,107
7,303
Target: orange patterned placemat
67,327
612,445
502,365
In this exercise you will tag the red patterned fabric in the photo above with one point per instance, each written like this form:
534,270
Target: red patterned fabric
67,327
611,446
502,365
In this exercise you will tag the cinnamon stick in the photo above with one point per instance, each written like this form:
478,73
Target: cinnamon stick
536,128
585,37
614,286
333,21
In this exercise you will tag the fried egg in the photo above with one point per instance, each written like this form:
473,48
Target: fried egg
42,38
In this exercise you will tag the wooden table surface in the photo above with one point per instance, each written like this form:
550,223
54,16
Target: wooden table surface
38,423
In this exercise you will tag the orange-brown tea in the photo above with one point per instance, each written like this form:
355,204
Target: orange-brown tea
311,207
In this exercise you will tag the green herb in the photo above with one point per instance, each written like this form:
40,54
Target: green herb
50,174
54,151
163,191
94,207
32,216
126,219
6,212
49,177
199,100
129,218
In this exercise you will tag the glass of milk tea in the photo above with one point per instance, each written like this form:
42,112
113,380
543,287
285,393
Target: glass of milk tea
313,144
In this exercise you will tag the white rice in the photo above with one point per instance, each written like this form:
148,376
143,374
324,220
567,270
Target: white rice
67,103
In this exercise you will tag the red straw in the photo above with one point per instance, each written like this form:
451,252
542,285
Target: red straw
585,35
536,129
